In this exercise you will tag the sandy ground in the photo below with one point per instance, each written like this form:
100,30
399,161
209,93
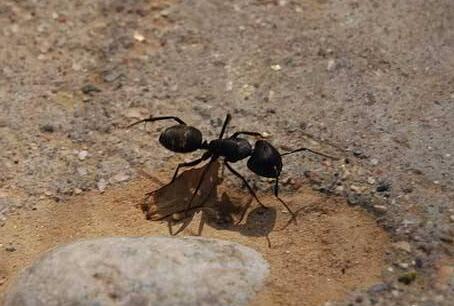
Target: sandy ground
321,258
370,82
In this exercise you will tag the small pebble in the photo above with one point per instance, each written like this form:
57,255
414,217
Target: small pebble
380,208
371,180
282,2
345,175
379,288
360,154
47,128
102,184
229,86
111,76
139,37
297,183
374,161
135,112
353,199
383,186
286,147
82,171
446,238
331,64
356,189
339,189
276,67
359,299
165,13
451,218
82,155
89,88
265,135
407,278
76,66
10,248
120,177
439,298
407,189
77,191
402,245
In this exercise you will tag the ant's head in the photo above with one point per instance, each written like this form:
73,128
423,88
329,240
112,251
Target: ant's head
265,160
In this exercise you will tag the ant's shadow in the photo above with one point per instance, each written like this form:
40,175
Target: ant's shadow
220,207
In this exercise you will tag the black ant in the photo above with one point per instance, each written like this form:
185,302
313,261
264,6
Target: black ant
264,160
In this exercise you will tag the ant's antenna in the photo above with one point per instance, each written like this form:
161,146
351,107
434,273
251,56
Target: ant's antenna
309,150
151,119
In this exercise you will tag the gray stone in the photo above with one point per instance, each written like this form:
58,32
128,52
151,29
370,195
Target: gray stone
142,271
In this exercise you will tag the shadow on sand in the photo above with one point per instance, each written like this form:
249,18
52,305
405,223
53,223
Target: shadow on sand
220,207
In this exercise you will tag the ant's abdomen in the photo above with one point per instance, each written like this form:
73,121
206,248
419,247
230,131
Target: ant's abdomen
181,138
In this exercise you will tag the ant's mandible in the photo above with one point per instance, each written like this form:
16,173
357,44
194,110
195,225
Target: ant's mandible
264,160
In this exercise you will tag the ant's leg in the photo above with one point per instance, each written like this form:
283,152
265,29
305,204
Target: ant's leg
243,213
169,227
268,240
245,182
183,165
276,194
205,156
201,224
236,134
202,176
224,127
309,150
183,226
151,119
175,212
